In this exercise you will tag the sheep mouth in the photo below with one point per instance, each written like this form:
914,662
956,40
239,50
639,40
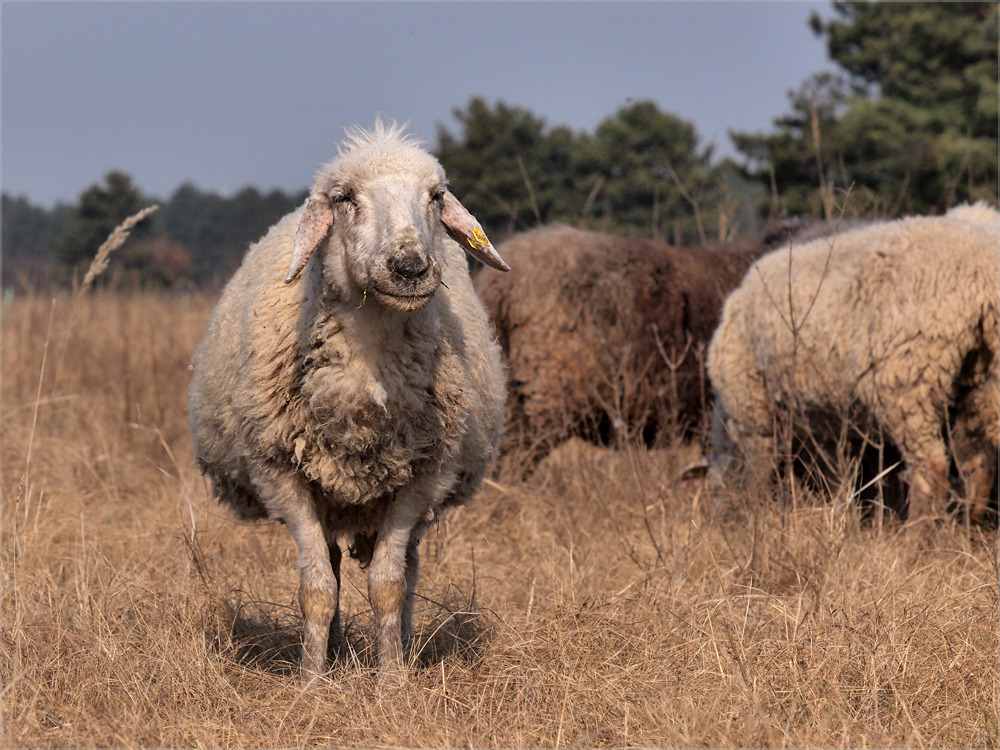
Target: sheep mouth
402,293
402,301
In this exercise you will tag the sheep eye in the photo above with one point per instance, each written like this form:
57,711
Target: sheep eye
346,199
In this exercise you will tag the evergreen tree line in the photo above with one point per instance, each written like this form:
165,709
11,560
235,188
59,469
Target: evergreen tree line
196,239
908,124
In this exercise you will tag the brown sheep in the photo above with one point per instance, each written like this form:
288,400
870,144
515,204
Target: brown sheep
604,336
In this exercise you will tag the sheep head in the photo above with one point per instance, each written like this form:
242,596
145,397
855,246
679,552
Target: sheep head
380,205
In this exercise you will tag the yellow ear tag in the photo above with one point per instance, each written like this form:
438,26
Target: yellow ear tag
479,237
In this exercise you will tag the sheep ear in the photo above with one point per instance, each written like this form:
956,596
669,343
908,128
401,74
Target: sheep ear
313,227
462,227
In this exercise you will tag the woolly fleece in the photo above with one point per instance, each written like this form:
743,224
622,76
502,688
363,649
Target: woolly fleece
575,320
363,396
896,323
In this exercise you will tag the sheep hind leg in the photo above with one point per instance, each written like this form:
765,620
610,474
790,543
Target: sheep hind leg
337,645
412,576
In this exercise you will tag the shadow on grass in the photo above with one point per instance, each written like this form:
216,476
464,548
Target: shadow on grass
261,635
452,627
267,636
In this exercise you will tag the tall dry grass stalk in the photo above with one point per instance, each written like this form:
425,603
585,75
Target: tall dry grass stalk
826,190
599,603
115,240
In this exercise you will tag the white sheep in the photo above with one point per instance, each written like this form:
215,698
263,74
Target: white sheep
896,325
363,397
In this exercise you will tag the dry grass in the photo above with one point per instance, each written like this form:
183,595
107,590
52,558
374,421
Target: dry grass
599,603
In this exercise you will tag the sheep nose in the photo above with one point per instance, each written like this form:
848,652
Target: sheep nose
409,266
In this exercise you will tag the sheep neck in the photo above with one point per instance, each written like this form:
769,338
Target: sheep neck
369,379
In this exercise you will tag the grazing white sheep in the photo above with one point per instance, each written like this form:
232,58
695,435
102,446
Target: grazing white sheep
896,325
349,384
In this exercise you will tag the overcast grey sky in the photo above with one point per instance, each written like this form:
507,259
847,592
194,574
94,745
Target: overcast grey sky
226,95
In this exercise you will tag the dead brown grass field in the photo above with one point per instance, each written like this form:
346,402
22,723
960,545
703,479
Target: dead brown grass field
599,603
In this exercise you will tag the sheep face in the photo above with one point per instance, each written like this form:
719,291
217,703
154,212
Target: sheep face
388,228
380,230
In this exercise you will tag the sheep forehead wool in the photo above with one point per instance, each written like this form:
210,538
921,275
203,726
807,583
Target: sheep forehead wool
357,138
366,155
380,160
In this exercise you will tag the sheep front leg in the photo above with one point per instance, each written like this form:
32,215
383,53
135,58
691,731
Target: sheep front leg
392,573
979,472
319,588
387,593
915,427
928,479
975,444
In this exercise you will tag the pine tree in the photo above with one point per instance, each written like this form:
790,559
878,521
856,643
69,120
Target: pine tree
912,123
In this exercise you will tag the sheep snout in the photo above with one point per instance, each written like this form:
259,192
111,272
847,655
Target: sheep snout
409,266
404,281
